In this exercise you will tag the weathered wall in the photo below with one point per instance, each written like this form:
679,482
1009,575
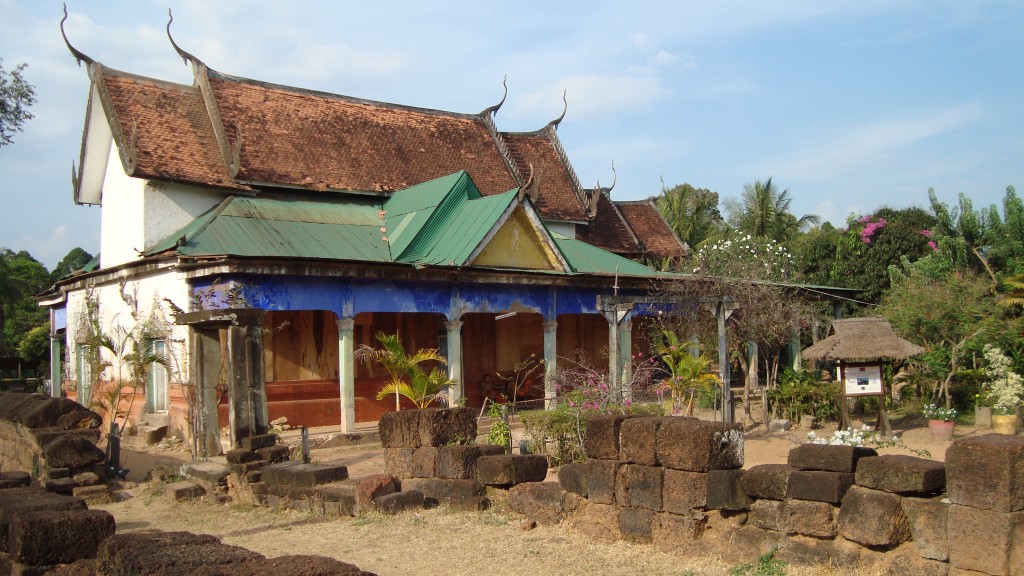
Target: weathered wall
677,483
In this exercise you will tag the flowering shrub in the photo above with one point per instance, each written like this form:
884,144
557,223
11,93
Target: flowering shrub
863,437
582,392
931,243
744,257
872,224
934,412
1005,388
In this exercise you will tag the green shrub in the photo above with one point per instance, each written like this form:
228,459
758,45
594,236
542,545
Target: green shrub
801,392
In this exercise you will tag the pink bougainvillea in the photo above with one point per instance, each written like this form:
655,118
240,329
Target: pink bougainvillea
871,225
934,246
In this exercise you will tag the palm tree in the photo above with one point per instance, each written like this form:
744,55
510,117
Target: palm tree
689,373
763,211
692,213
1015,297
408,378
131,354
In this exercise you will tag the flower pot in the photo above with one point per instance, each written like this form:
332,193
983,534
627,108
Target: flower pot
983,416
941,430
1004,423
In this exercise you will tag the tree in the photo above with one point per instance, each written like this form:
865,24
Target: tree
16,95
130,353
21,278
75,259
874,243
408,378
692,213
763,211
748,271
947,311
688,374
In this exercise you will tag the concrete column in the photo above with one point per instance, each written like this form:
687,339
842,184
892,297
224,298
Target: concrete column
347,374
626,358
752,362
457,390
722,314
55,375
550,363
247,396
616,315
794,352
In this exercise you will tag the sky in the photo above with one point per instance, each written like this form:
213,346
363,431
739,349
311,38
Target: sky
850,105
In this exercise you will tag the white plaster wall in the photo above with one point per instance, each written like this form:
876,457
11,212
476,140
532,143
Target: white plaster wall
121,222
170,206
149,293
563,228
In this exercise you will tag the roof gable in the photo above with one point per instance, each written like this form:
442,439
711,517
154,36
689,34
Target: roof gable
560,191
162,129
608,230
518,243
656,237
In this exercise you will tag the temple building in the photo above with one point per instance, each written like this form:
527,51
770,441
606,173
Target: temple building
264,233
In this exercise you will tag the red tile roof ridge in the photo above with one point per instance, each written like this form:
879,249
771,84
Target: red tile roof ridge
334,96
107,70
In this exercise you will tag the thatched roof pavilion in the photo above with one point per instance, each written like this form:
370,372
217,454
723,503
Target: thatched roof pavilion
861,340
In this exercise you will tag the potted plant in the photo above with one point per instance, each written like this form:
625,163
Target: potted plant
1005,390
940,421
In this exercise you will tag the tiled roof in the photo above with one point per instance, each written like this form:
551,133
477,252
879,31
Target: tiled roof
322,141
559,197
608,230
651,229
174,138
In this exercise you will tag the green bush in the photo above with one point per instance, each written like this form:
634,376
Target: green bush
801,392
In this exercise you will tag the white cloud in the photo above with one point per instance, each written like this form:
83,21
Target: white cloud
48,250
828,212
858,148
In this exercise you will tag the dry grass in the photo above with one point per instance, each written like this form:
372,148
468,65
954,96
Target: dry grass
438,541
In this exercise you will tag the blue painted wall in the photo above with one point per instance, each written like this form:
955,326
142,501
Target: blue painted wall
347,297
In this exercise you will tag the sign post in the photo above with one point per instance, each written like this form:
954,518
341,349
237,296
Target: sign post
862,380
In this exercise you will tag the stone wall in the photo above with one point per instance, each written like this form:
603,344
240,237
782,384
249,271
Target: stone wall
52,438
677,483
46,533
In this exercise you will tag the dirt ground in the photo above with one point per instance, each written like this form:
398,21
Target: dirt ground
441,541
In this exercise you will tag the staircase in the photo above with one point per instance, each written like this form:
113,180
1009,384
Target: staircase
149,430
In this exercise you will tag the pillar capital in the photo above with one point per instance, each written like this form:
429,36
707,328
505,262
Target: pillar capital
453,325
551,326
346,324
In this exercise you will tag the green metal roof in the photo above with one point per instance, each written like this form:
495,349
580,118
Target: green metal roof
329,229
437,223
587,259
453,236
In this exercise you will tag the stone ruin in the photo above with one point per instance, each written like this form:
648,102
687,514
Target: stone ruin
677,483
56,439
50,467
428,462
58,535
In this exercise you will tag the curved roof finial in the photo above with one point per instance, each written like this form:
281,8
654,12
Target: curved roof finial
185,56
493,110
664,188
554,123
79,57
615,178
